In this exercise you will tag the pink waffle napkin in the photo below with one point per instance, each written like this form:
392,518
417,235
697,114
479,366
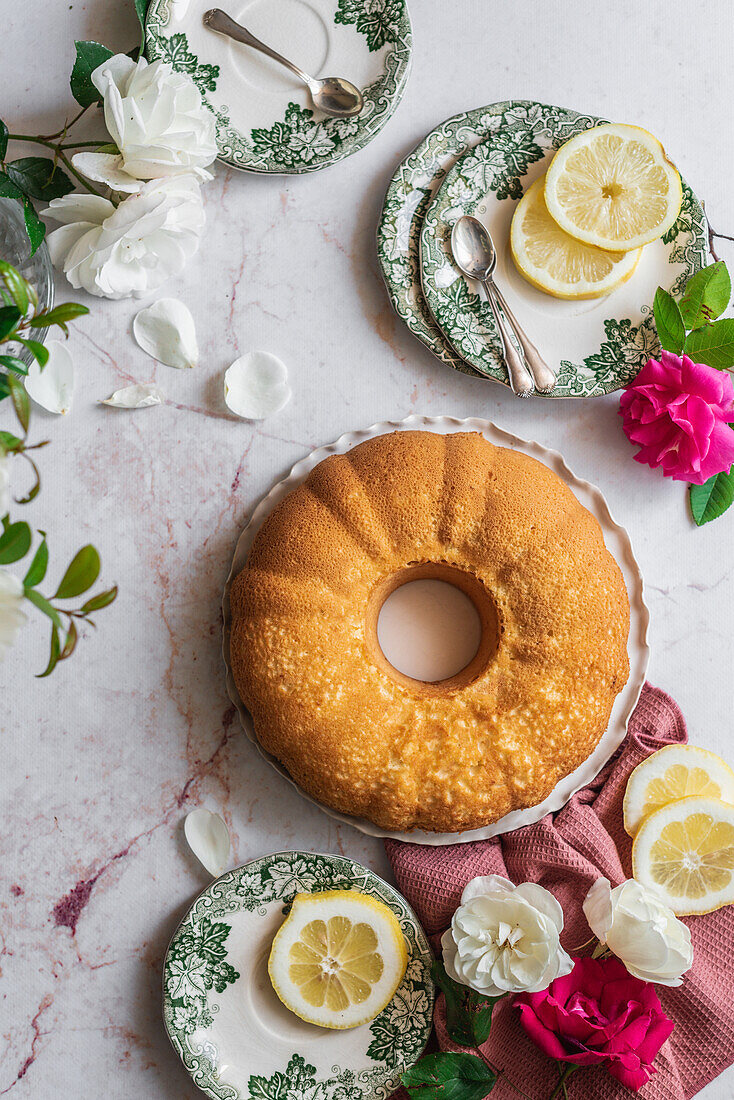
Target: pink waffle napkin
566,852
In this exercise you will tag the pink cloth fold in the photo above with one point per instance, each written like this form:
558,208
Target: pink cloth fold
566,852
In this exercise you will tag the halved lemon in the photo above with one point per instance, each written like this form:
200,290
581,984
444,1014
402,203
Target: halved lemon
686,850
559,264
613,187
672,773
338,958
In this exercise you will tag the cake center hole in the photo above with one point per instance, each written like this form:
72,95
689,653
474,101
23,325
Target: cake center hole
429,630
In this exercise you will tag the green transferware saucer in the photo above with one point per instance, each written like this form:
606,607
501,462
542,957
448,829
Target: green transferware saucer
597,345
264,118
232,1033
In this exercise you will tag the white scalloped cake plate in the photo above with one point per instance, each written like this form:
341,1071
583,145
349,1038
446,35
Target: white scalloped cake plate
618,543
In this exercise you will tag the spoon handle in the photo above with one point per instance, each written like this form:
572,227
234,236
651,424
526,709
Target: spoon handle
219,21
520,381
543,375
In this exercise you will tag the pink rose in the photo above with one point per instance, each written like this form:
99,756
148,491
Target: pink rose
598,1014
679,412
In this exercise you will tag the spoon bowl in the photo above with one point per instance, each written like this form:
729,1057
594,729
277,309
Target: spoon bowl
473,248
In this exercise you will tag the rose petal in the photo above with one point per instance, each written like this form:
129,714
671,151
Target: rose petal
140,396
52,387
106,168
208,838
256,386
166,331
486,884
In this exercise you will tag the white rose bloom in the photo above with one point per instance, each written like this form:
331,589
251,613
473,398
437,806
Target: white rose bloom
639,928
11,617
4,484
505,938
156,118
131,249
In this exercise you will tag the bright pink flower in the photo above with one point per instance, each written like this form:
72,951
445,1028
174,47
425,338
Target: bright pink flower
679,412
598,1014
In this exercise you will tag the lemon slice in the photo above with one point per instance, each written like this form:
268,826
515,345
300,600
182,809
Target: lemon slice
686,850
338,958
613,187
558,264
672,773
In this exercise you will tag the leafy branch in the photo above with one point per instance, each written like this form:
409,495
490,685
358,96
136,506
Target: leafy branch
694,327
19,314
459,1076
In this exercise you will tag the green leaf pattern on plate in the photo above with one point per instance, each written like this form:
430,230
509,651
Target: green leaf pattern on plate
297,143
175,50
378,20
196,966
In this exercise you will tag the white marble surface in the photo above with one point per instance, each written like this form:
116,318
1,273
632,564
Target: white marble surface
102,761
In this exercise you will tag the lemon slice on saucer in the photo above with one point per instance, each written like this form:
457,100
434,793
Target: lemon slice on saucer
613,187
338,958
672,773
686,850
559,264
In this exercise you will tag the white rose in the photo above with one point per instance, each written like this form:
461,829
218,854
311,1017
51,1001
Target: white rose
505,938
131,249
4,484
156,118
639,928
11,617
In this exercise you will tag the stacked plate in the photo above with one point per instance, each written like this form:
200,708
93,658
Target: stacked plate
264,118
480,163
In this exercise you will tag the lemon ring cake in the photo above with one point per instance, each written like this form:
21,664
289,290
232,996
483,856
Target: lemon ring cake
363,738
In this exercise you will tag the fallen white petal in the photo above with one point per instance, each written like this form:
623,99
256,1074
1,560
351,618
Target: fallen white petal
208,838
52,387
140,396
106,168
166,331
256,385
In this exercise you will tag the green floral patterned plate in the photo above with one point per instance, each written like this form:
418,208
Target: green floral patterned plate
598,346
264,119
231,1032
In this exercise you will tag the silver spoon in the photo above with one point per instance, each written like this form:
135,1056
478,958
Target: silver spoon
475,254
333,95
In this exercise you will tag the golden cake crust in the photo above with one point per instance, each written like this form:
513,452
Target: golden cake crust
365,740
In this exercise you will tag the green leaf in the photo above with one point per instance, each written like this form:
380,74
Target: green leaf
20,289
37,568
713,344
669,322
468,1014
34,227
38,351
10,442
15,542
103,599
54,655
89,55
449,1077
44,605
141,7
9,317
713,498
67,311
70,644
3,139
21,402
39,177
706,295
12,362
80,575
8,189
